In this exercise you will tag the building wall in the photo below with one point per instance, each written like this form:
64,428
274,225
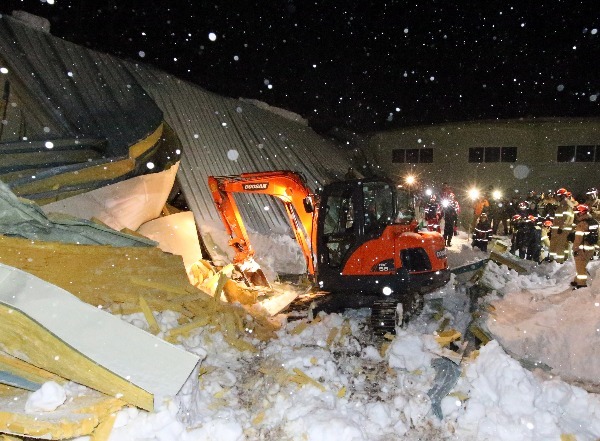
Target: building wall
536,166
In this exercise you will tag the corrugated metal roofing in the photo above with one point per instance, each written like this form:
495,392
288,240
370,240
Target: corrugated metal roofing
75,92
70,91
224,136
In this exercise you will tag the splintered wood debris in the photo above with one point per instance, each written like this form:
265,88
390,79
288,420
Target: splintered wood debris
122,280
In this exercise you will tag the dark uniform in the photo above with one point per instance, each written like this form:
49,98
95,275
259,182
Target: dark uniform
450,210
482,233
533,238
432,215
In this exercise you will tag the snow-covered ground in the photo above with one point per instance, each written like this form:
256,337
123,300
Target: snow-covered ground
328,378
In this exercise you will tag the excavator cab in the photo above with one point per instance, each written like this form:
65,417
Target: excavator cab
368,244
353,212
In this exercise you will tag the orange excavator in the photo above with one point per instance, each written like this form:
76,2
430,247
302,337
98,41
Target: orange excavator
359,238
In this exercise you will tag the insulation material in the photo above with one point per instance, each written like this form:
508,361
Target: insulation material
126,204
92,347
83,413
175,234
23,218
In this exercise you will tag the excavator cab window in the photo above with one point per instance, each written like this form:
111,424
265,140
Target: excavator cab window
339,226
405,208
378,203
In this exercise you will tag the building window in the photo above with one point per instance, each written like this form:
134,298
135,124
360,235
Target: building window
492,154
476,154
412,156
585,153
508,154
398,156
426,156
578,153
565,153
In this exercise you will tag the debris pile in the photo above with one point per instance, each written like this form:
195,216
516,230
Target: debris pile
53,325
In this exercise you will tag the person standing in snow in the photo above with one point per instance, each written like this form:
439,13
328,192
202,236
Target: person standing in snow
482,233
432,214
584,242
592,201
533,202
506,214
446,191
480,205
517,239
545,239
562,225
534,239
450,211
495,213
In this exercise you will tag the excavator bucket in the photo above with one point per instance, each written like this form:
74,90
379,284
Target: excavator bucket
252,274
254,277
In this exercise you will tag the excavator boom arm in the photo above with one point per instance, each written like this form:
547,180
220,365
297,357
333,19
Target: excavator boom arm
287,186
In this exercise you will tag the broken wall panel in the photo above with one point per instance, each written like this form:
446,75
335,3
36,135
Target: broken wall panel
46,326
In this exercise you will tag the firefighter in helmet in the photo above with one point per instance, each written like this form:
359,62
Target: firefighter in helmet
482,233
592,201
584,242
562,225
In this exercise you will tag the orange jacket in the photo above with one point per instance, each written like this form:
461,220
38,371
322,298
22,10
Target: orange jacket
479,205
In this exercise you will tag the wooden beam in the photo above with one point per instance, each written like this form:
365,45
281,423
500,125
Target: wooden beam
501,260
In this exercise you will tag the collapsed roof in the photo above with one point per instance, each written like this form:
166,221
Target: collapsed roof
107,119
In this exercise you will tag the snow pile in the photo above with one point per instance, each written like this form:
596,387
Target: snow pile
541,320
328,377
507,402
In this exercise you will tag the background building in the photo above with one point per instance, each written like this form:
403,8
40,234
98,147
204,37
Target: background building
514,156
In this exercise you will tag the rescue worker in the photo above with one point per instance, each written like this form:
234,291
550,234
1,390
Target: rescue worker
508,211
482,233
480,205
533,201
523,209
562,225
524,236
547,205
495,214
432,214
545,239
592,201
446,190
586,238
517,238
450,212
533,239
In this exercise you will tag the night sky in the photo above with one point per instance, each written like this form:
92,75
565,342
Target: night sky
363,65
